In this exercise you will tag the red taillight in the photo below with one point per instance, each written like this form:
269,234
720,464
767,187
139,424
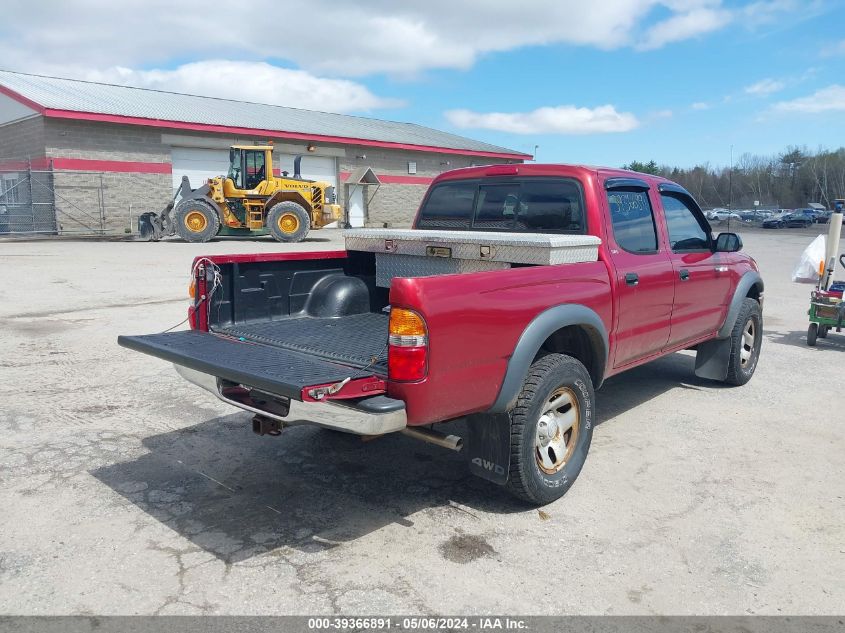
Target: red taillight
407,352
406,363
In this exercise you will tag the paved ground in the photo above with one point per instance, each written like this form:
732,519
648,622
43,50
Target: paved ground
124,489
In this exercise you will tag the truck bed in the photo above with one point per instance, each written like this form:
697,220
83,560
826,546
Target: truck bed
358,340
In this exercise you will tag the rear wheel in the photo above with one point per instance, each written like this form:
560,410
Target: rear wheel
288,222
196,221
551,429
823,330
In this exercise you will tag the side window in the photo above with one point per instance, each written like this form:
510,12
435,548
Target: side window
254,168
685,230
633,221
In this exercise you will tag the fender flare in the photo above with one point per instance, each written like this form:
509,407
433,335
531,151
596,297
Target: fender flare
746,283
532,338
293,196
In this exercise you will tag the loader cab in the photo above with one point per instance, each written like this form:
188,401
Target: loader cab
249,166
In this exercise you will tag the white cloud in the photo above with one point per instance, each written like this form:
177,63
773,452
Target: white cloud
830,99
338,39
250,81
564,119
834,50
771,12
700,105
684,26
765,87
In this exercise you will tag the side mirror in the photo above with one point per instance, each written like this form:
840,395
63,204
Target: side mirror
728,243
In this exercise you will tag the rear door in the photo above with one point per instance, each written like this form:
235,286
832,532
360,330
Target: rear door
643,280
702,277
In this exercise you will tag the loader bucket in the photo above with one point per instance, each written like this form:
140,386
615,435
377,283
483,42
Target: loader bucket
147,227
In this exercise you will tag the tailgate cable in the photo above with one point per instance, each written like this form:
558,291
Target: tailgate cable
318,393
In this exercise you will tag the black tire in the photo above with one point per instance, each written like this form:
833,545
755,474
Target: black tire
196,220
823,330
528,479
741,366
288,222
812,333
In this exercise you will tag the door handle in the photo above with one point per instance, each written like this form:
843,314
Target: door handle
683,274
632,279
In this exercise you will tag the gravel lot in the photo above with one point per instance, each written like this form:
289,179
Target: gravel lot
125,490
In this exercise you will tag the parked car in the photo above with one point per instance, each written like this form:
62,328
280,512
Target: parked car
722,216
408,328
788,220
754,216
824,217
810,213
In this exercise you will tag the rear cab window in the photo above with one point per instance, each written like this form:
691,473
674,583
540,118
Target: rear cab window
632,215
520,205
632,219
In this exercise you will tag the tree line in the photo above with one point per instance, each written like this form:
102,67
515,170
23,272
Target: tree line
791,179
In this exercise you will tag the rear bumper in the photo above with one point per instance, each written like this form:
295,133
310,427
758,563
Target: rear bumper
375,415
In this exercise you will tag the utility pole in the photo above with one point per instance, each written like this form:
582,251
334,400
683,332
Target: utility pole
534,158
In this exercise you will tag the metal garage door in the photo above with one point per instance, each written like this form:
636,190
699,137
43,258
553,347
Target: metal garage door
313,167
200,164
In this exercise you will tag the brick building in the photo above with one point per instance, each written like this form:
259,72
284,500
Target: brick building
99,153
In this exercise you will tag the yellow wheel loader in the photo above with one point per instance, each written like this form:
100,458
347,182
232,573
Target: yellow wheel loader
249,200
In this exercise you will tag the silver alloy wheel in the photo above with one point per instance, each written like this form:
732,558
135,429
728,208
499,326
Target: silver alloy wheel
747,350
557,430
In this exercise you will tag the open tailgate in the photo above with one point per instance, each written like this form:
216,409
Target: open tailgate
278,371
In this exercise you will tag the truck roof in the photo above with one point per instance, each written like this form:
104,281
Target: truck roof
543,169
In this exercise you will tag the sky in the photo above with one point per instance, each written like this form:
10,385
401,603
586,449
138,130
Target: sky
680,82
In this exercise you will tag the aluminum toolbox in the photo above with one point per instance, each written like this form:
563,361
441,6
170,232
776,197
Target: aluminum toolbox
389,265
540,249
419,253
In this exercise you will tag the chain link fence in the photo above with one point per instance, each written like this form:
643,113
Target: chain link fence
48,202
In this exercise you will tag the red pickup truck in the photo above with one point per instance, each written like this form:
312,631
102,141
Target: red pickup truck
516,351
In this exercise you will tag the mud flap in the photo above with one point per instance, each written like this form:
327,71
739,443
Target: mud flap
712,358
490,446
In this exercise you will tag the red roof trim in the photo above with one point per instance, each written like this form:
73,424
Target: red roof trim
36,164
21,99
226,129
